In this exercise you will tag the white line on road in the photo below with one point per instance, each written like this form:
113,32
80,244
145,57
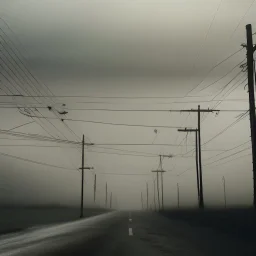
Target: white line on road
130,232
130,220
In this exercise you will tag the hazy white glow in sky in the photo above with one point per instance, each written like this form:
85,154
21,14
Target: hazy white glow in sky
129,48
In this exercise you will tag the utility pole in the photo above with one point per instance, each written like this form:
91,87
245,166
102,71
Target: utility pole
250,51
147,196
157,178
82,180
110,201
157,186
201,198
106,200
224,188
197,171
95,184
199,111
178,195
154,184
141,198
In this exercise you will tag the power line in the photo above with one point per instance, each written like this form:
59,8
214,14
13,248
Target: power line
108,123
37,137
124,174
221,132
35,162
228,150
37,146
110,97
246,12
215,66
227,156
112,153
125,150
216,161
136,144
216,81
122,110
203,43
233,159
35,80
20,125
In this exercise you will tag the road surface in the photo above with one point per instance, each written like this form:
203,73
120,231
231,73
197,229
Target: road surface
124,233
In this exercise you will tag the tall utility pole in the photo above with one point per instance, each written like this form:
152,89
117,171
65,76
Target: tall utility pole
110,201
147,196
250,50
197,170
178,195
95,184
199,111
224,190
201,198
106,199
82,180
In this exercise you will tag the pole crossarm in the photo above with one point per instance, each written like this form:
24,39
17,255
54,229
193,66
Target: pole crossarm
86,168
187,130
201,110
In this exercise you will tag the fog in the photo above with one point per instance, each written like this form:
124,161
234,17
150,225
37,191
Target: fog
141,48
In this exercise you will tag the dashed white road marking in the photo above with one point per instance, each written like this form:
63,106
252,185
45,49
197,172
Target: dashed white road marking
130,232
130,220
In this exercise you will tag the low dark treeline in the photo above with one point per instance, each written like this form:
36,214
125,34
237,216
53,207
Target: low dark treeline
239,222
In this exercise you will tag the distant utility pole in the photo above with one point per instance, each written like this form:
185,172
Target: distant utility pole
250,70
197,171
106,200
110,201
154,185
147,196
178,195
162,182
157,186
95,184
82,180
141,198
224,190
199,111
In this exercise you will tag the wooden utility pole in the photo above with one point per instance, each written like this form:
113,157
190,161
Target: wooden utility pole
197,171
82,185
178,195
201,198
162,182
95,184
82,180
147,196
110,201
141,198
154,184
224,190
106,199
199,111
157,186
250,51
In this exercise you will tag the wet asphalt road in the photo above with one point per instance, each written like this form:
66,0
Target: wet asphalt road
140,233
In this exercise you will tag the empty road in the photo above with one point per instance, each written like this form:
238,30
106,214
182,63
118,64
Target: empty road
124,233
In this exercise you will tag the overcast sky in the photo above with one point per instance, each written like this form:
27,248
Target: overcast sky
140,48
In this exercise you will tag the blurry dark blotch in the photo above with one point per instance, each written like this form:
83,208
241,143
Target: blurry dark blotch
239,222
